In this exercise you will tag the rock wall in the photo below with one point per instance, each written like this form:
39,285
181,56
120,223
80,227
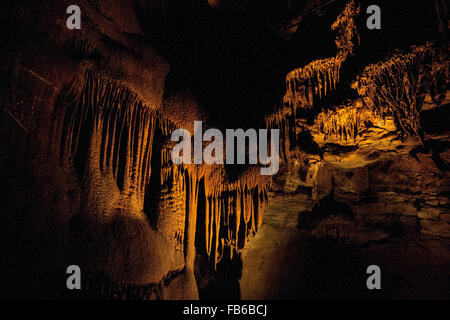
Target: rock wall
86,172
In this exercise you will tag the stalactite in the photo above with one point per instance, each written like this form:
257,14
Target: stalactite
315,80
232,206
346,122
106,125
98,109
282,119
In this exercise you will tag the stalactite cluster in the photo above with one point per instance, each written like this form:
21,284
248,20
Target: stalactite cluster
233,212
320,77
284,120
108,126
346,122
314,81
110,122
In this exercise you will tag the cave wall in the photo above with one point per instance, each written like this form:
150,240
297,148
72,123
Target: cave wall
86,118
86,171
354,189
334,145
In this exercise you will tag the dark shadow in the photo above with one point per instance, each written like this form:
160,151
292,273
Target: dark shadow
327,207
153,189
306,143
437,120
220,284
435,147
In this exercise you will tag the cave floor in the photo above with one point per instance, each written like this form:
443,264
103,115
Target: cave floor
282,262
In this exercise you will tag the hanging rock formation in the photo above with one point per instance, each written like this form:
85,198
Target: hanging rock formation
86,160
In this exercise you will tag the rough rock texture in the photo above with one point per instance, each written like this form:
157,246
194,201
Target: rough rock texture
373,200
321,265
382,179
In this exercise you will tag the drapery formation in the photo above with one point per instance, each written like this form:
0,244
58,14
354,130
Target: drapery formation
104,127
395,87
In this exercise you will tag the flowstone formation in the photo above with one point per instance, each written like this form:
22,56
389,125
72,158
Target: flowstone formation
102,191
